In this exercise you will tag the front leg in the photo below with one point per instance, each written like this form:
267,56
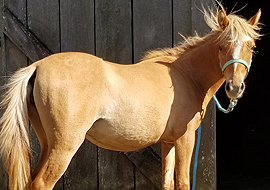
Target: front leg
183,150
168,162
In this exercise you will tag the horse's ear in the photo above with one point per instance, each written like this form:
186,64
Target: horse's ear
222,19
255,19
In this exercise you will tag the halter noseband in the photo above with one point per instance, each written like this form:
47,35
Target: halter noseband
243,62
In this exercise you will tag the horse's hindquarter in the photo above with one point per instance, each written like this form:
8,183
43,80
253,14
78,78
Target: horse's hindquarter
67,92
135,106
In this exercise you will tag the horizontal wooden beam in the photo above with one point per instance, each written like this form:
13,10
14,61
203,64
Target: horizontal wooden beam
23,38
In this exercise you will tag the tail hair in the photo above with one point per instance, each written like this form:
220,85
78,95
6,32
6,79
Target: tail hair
14,134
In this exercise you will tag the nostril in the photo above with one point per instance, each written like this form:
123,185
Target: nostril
228,87
242,86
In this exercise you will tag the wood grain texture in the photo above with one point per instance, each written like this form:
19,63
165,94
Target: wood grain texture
44,21
206,172
142,182
148,163
114,43
115,170
24,40
77,34
82,171
114,30
12,59
197,18
152,22
77,26
181,20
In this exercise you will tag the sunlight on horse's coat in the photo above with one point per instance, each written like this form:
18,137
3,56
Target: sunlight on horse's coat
72,96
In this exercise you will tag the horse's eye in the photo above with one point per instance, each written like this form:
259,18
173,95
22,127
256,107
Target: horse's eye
220,48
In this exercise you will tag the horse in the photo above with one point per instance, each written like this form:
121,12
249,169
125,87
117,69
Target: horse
71,96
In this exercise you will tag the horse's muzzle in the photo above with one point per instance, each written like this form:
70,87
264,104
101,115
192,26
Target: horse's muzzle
234,91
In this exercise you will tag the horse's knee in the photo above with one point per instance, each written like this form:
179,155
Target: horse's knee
38,184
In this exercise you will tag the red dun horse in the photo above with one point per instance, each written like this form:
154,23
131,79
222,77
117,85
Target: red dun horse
72,96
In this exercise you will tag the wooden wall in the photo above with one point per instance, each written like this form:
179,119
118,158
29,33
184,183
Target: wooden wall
119,31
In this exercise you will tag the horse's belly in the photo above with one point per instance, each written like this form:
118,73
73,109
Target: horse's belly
123,136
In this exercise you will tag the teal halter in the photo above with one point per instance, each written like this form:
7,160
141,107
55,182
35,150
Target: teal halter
233,102
235,61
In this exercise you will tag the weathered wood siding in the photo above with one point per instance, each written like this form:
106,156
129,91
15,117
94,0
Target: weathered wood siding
119,31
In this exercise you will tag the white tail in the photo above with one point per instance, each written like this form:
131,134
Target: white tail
14,134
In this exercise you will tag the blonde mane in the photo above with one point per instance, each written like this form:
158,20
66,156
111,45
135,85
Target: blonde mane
188,43
235,32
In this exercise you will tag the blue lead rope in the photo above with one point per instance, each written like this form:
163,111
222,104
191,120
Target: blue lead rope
196,157
230,109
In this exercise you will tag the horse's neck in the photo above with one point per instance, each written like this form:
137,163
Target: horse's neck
201,67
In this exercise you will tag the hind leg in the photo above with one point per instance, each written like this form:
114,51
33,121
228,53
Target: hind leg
59,141
41,135
59,154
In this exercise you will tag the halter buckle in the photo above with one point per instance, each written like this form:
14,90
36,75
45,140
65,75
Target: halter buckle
233,103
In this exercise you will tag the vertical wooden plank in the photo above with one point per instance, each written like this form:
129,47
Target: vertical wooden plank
3,174
12,58
192,20
114,30
181,20
18,8
115,170
152,26
77,34
15,59
22,37
143,182
114,43
197,18
2,53
206,172
77,26
43,21
82,171
147,164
